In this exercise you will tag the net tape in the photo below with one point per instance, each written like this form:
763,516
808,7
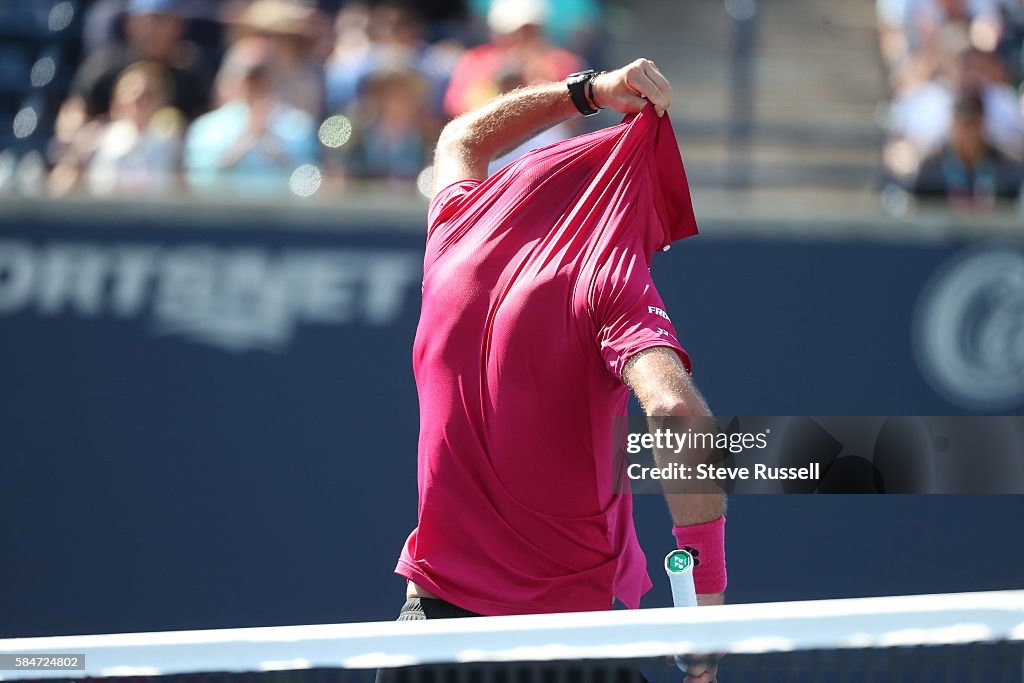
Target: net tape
883,622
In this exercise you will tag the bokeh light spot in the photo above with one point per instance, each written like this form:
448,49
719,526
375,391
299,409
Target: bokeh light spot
984,34
335,131
902,158
425,182
305,180
25,122
896,201
43,72
60,16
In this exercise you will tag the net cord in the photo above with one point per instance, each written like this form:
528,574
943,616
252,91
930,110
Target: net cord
743,628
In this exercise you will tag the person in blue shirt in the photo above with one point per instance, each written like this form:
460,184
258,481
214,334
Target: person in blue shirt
251,145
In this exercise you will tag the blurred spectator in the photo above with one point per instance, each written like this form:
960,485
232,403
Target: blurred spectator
71,150
968,170
956,123
572,24
519,54
288,28
352,55
103,24
1004,123
153,30
136,152
253,142
928,28
924,114
370,39
139,151
394,131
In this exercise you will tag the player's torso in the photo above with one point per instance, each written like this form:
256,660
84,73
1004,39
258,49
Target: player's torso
505,349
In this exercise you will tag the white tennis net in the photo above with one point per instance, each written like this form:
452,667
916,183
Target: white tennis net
984,632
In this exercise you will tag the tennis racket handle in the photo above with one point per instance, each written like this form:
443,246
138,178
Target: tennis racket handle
679,567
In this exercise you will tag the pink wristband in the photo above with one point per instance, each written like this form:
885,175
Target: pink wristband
706,542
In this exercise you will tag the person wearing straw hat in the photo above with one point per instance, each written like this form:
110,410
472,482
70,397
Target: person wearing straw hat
290,29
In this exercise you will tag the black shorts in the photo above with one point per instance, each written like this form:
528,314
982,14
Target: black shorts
416,609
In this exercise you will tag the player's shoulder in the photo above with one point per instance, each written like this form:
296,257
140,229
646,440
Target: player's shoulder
449,202
623,259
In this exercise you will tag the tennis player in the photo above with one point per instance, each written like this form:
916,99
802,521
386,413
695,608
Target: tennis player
522,359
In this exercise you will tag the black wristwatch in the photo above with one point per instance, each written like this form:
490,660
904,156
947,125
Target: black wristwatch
581,90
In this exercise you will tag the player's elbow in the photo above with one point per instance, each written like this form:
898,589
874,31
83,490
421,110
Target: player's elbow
677,406
450,135
455,139
463,139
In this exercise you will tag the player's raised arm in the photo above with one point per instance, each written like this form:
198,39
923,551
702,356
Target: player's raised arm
470,142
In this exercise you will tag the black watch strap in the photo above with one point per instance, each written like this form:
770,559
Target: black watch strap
578,84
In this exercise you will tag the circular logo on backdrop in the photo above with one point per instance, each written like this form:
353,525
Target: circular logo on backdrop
969,329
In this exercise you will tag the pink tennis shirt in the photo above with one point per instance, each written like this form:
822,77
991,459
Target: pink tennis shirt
536,291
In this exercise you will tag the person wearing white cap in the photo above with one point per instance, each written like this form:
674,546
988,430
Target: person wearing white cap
519,53
508,16
575,25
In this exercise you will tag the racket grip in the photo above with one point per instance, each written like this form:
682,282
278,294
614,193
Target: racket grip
679,567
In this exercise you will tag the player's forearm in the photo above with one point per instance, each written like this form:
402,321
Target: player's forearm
507,121
688,508
687,411
695,508
672,402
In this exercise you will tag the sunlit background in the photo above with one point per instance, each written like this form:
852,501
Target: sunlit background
781,105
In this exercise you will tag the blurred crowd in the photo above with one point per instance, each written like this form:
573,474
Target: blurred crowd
265,98
956,120
257,98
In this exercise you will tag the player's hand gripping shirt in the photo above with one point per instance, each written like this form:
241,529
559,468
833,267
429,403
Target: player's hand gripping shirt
536,291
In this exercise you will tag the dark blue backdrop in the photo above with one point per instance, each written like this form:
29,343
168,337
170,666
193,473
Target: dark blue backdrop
162,469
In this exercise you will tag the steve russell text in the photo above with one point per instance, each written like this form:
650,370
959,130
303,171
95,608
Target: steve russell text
705,472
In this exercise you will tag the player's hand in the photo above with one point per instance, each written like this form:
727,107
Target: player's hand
705,669
701,669
710,599
630,88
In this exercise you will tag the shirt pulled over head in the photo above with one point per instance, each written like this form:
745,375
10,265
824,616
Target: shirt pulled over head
536,293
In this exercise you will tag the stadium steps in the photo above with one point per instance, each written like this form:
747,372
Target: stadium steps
818,81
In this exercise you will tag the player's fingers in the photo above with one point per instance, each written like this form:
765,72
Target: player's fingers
643,85
702,669
651,69
706,677
699,666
